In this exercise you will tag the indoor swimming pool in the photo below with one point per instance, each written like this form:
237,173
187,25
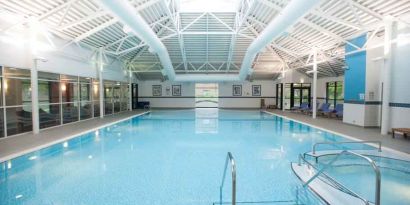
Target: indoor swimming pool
176,157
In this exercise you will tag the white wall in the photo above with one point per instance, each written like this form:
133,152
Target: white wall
71,61
227,100
187,98
400,82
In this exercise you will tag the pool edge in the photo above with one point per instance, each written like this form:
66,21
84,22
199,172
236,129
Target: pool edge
39,147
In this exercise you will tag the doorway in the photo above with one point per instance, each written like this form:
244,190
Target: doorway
300,93
206,95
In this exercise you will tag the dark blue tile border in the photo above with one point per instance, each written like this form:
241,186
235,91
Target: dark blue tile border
403,105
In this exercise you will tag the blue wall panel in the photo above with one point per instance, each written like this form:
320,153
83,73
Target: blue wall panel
355,74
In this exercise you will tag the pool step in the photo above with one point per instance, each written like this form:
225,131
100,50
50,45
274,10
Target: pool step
323,188
362,152
290,202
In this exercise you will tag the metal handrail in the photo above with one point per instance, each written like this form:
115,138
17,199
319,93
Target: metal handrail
229,158
352,142
370,161
301,157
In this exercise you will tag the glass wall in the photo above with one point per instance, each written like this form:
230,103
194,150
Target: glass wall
117,97
96,98
124,96
49,99
86,110
108,98
17,95
2,134
62,99
70,99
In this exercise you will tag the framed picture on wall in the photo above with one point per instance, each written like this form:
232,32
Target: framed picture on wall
156,90
256,90
237,90
176,90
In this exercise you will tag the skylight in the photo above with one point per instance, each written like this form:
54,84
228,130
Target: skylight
208,5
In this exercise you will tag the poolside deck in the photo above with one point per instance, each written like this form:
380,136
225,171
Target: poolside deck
335,125
14,146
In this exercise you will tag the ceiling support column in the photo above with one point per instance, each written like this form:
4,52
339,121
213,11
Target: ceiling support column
100,65
130,90
33,60
390,29
34,98
314,86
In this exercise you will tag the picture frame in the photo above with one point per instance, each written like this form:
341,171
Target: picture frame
156,90
256,90
236,90
176,90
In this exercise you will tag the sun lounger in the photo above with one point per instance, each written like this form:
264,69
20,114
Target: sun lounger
338,111
302,107
405,131
324,109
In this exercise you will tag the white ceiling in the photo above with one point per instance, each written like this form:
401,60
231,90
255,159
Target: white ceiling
213,42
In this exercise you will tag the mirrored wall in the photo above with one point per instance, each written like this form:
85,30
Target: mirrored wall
62,99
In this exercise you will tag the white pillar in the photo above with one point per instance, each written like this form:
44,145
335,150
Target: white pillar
34,98
314,108
130,90
101,84
390,27
32,60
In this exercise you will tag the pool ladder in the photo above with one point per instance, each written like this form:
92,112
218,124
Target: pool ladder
229,160
345,152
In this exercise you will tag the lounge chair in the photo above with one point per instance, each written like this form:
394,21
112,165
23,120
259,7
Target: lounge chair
338,111
324,108
302,107
405,131
310,109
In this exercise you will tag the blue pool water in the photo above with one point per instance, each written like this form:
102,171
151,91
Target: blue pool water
167,157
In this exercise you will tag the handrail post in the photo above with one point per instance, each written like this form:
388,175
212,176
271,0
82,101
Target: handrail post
229,158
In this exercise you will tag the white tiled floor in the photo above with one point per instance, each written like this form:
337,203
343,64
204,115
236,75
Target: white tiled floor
21,144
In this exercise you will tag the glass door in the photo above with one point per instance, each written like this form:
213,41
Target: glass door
297,96
299,93
305,95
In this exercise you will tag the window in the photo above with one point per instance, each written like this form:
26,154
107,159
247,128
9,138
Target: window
96,97
117,97
70,98
108,98
86,111
17,91
61,99
334,93
49,99
124,96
